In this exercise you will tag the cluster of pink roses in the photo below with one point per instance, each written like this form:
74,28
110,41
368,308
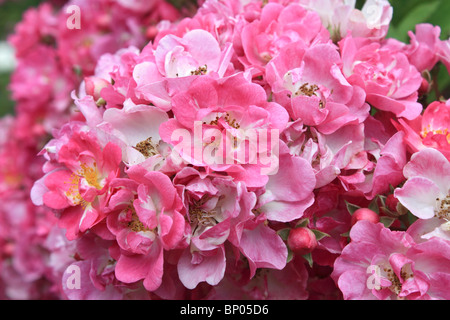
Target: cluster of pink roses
357,206
51,62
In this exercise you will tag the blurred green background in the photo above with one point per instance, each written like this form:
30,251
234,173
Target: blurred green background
407,13
10,13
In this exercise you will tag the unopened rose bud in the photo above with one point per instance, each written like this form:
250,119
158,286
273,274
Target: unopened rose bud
151,32
395,206
301,241
365,214
424,87
391,202
104,21
94,86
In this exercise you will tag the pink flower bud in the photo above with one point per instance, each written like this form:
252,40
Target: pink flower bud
151,32
424,87
365,214
392,202
301,241
94,86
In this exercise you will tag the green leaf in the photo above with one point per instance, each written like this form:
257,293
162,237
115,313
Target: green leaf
284,233
440,17
302,223
418,14
411,218
382,200
319,234
374,205
351,207
387,221
345,234
308,258
289,256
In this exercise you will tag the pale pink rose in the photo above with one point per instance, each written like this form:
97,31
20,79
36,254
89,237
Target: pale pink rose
391,81
386,169
176,62
382,264
278,25
137,127
330,155
423,229
196,53
217,120
444,53
309,83
217,209
289,192
146,221
341,17
221,213
423,49
426,191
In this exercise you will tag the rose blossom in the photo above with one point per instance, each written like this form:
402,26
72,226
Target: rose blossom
383,264
78,183
309,83
146,221
430,130
341,17
391,82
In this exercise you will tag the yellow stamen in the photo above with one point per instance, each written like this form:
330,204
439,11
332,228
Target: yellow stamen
200,71
91,177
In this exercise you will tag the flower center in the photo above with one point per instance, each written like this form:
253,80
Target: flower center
443,208
307,90
131,220
199,216
232,122
396,283
147,148
90,175
202,217
202,70
136,225
428,131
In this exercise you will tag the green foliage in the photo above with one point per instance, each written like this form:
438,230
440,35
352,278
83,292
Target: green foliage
6,104
11,12
408,13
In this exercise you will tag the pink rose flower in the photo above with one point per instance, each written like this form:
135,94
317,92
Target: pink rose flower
383,264
277,26
217,127
176,62
309,83
444,53
423,49
391,82
220,212
426,191
430,130
146,220
79,183
341,17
